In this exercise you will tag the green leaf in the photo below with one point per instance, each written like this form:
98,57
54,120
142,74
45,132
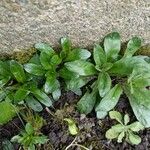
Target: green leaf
136,126
21,94
73,129
120,137
99,55
134,139
104,83
44,47
109,101
34,69
133,45
81,67
35,59
111,134
56,94
87,102
66,45
116,115
17,71
4,81
7,145
45,60
7,112
29,129
42,97
125,65
112,45
139,101
78,54
5,68
55,60
34,104
40,139
51,84
126,119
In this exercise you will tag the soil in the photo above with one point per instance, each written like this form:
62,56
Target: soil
92,131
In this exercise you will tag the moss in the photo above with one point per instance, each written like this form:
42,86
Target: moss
23,55
144,50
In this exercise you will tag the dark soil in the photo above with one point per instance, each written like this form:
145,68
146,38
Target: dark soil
92,131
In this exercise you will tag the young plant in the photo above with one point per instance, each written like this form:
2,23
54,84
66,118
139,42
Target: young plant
30,138
123,129
115,73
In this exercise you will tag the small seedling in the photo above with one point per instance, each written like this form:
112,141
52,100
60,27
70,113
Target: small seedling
73,129
124,129
29,138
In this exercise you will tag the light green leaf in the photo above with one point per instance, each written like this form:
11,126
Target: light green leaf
56,94
112,45
109,101
116,115
126,119
133,45
33,104
42,97
34,69
20,94
40,139
17,71
7,112
136,126
78,54
99,55
87,102
66,44
81,67
44,47
111,134
29,129
120,137
73,129
139,101
104,83
134,139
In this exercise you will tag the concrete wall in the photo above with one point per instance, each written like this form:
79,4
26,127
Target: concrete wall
24,22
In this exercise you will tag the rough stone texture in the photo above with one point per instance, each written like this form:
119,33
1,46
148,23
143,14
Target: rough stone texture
24,22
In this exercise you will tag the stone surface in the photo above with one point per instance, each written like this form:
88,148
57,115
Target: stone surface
25,22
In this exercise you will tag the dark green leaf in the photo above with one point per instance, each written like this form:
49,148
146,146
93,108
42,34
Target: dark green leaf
109,101
35,59
7,112
5,68
45,60
78,54
133,45
112,45
21,94
104,83
42,97
139,101
34,104
7,145
99,55
34,69
87,102
18,71
81,67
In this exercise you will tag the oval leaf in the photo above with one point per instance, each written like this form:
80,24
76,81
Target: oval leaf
17,71
112,45
116,115
81,67
109,101
34,69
